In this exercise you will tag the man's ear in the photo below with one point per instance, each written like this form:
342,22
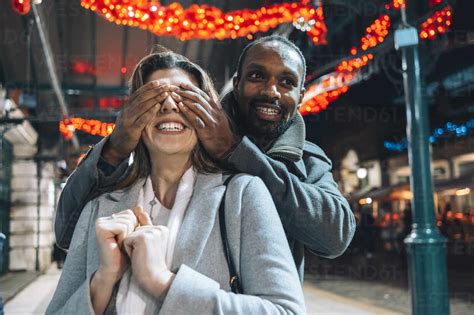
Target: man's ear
302,91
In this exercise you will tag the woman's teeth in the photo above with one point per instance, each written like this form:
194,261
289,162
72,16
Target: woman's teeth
170,126
267,110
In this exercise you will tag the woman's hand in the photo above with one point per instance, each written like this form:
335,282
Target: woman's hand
132,119
146,248
110,232
208,118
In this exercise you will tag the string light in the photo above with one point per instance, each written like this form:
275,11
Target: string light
208,22
320,94
67,127
436,24
376,33
460,130
398,4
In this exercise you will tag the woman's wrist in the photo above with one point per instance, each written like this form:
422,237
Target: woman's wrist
159,284
101,288
106,278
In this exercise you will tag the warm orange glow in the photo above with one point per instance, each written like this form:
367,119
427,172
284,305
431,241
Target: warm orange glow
321,93
398,4
438,23
463,192
94,127
22,7
208,22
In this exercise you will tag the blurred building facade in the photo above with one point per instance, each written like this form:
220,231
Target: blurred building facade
27,194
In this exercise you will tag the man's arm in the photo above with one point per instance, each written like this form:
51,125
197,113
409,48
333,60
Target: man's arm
85,183
312,210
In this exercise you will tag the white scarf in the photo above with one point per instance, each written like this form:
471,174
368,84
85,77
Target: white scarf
131,298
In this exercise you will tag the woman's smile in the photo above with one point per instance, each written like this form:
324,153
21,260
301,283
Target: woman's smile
170,127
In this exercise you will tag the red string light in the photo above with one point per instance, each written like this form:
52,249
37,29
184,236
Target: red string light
21,7
321,93
94,127
376,33
437,24
398,4
208,22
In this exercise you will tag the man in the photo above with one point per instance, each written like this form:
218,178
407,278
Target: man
269,142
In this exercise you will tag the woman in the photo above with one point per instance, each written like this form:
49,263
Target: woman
167,255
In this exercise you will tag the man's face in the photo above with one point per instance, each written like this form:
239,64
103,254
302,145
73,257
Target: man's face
268,91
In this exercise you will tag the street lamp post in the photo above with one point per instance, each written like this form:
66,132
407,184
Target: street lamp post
426,247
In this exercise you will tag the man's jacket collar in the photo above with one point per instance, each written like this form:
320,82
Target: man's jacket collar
289,145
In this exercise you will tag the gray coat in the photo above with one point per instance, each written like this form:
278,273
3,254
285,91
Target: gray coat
268,274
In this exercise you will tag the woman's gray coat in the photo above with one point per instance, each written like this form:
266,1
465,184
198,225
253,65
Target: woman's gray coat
267,271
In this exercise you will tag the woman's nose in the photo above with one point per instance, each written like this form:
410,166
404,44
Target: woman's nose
169,105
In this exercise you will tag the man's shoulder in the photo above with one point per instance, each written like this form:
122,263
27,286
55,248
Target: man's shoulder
312,150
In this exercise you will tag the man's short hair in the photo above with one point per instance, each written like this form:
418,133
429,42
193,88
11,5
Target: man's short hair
271,38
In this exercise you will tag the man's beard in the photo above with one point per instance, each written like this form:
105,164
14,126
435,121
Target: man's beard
251,124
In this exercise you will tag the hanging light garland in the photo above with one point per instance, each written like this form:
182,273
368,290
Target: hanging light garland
329,88
436,24
67,127
208,22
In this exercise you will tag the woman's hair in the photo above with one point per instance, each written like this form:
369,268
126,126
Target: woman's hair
162,58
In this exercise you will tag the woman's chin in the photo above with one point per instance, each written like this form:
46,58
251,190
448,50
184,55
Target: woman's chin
168,148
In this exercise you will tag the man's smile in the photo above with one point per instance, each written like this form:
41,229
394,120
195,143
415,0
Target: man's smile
267,111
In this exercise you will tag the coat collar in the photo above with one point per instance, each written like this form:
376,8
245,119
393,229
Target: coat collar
290,144
198,221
